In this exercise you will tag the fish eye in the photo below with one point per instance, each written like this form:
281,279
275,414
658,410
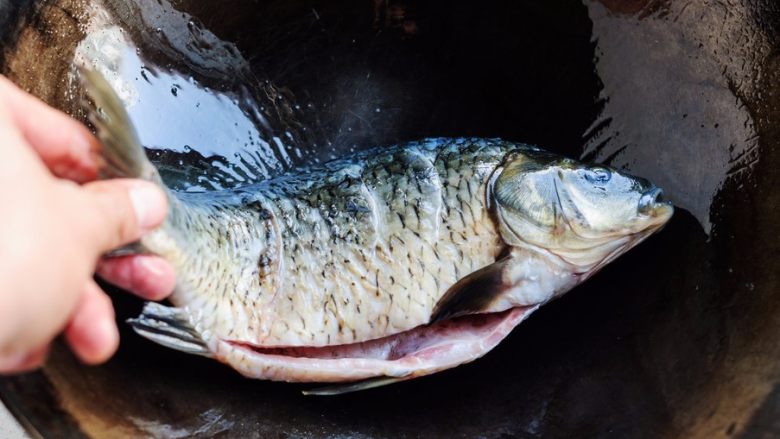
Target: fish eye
598,176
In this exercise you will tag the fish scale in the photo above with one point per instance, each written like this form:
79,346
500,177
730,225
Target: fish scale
381,225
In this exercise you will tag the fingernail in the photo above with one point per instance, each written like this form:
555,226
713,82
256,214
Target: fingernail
85,149
106,338
149,205
82,145
150,266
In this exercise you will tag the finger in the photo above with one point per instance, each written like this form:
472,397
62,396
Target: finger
26,362
92,333
67,148
122,211
149,277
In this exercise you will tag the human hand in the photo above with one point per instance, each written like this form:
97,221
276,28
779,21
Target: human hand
55,224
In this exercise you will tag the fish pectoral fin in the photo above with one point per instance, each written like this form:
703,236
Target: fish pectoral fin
340,389
169,327
472,294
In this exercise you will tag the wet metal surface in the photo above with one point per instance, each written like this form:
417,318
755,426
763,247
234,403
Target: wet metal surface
676,339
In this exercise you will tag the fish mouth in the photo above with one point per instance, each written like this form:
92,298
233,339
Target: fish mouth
653,203
419,351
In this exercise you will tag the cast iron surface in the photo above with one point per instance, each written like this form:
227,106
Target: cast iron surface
676,339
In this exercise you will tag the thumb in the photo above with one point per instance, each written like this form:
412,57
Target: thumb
123,210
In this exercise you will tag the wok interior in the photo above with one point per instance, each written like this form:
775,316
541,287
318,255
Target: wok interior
675,338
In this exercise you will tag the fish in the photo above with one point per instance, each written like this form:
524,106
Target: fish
381,266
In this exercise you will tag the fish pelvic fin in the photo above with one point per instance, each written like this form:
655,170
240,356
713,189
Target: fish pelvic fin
341,389
122,153
171,328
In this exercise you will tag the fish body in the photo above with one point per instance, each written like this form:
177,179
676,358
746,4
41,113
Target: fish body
354,250
390,263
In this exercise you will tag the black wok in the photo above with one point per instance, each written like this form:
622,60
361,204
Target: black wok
676,339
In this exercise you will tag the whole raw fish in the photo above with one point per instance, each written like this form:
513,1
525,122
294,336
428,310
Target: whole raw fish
390,263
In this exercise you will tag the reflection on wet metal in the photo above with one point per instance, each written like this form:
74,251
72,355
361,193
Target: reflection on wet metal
215,109
209,423
678,339
674,79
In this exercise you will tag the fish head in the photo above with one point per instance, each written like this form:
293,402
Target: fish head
586,214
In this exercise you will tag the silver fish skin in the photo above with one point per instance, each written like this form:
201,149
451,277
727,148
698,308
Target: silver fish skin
355,250
391,263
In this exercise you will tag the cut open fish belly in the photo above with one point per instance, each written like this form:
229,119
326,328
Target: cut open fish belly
382,265
417,352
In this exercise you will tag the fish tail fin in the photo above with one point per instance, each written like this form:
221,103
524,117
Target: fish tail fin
122,153
169,327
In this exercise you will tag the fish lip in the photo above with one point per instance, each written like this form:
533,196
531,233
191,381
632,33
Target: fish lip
653,203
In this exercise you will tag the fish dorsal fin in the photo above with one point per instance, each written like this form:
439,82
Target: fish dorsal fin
472,294
169,327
